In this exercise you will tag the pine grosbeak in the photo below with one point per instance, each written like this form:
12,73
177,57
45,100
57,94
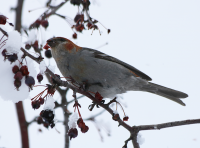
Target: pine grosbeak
102,73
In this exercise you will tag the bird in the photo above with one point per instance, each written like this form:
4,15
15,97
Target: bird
99,72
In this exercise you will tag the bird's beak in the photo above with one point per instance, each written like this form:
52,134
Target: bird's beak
49,43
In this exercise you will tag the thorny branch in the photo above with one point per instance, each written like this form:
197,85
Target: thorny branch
134,130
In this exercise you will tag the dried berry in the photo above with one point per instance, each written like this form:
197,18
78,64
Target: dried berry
24,70
108,31
79,27
35,104
86,4
79,18
15,69
73,133
30,81
18,76
4,53
39,77
75,2
12,58
39,120
125,118
45,23
37,23
80,123
47,115
48,54
74,36
35,45
2,19
115,117
27,46
41,100
46,125
17,84
85,129
52,125
89,25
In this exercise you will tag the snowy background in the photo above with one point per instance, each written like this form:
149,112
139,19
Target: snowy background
160,38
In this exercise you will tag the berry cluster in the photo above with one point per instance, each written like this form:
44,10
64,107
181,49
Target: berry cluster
19,74
38,22
73,132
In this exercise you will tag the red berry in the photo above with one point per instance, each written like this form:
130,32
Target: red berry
45,23
73,133
24,70
85,129
125,118
37,23
39,120
15,69
41,100
35,45
74,36
18,76
80,123
79,27
17,83
35,104
2,19
39,77
27,46
79,18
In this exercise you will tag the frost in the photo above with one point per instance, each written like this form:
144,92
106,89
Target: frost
155,127
32,37
140,139
14,42
49,104
73,120
42,67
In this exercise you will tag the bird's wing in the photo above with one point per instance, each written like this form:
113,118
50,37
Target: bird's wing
100,55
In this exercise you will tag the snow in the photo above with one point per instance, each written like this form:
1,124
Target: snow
32,36
14,42
42,67
140,139
73,120
49,103
115,112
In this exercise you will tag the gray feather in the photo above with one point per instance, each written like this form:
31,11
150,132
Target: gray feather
168,93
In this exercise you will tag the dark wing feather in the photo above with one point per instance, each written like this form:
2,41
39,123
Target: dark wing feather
100,55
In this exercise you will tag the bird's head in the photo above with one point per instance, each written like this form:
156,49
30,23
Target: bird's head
63,43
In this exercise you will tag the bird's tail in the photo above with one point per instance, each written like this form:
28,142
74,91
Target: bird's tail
168,93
